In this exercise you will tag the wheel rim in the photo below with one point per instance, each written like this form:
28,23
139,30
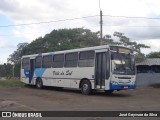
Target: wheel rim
38,84
85,87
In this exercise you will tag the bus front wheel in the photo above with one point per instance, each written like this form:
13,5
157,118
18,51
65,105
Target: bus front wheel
86,87
39,83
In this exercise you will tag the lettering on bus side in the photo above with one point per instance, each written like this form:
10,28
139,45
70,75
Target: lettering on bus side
67,72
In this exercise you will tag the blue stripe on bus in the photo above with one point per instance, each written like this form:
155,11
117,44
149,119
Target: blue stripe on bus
39,72
26,72
121,87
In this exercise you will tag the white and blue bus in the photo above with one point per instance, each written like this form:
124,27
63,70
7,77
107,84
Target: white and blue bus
104,67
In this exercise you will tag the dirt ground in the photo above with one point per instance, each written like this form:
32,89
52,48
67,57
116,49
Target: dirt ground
50,99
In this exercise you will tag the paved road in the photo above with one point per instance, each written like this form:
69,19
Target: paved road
50,99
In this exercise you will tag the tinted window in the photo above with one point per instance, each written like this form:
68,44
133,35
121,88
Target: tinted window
114,48
86,55
58,61
47,61
71,59
38,62
86,59
25,63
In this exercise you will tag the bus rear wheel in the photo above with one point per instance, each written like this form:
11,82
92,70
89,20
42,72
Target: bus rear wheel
86,87
39,83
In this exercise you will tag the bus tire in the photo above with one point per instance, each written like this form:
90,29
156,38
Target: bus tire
39,83
109,92
86,87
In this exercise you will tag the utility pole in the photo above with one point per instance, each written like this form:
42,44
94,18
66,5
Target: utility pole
101,23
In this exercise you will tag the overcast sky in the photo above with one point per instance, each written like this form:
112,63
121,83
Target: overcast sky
13,12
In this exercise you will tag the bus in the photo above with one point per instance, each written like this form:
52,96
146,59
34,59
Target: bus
104,67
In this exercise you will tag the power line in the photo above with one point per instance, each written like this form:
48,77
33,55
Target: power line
8,35
25,24
48,21
131,17
128,26
45,22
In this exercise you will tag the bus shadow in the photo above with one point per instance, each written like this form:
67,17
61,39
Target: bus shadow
114,94
58,89
78,92
155,85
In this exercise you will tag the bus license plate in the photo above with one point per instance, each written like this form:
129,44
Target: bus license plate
125,87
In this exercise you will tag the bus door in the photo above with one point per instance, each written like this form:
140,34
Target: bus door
100,69
32,66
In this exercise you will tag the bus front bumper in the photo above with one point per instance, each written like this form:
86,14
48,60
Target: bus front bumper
122,87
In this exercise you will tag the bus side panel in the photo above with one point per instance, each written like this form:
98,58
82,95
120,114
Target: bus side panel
24,77
65,77
81,73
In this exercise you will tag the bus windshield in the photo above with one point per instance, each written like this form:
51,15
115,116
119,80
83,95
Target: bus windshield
122,63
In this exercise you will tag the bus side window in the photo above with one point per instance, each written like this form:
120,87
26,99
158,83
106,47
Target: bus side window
25,63
47,61
38,62
58,61
86,59
71,59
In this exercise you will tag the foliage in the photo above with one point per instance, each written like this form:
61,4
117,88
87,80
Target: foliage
123,40
16,55
6,70
62,39
139,57
153,55
107,40
17,67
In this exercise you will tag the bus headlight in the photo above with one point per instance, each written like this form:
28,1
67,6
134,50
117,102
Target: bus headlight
114,82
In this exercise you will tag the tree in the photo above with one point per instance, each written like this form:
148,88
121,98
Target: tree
17,68
123,40
2,71
16,55
15,59
6,70
139,57
153,55
62,39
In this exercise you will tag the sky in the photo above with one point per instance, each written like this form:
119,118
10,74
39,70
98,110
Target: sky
137,19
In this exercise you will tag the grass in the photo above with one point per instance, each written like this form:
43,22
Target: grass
11,83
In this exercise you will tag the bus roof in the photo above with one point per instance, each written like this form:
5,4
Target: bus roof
71,50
